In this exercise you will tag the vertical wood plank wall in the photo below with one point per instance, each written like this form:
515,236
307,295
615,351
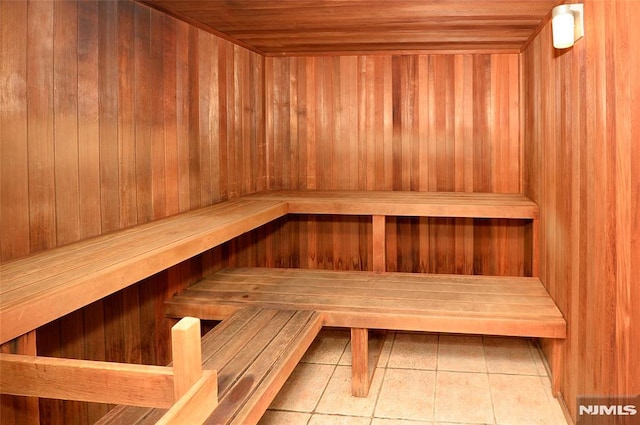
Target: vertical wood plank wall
582,165
395,122
115,115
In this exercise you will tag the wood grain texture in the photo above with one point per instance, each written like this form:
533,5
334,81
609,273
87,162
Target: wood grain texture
20,410
109,146
46,286
582,165
187,355
89,144
105,382
497,305
253,352
333,27
410,123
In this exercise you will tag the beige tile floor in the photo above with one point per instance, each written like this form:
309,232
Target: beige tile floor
421,379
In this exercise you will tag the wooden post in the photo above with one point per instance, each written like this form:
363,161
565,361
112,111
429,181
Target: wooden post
365,353
379,243
360,362
535,247
557,364
186,349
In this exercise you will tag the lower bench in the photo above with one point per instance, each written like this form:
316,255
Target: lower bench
253,351
510,306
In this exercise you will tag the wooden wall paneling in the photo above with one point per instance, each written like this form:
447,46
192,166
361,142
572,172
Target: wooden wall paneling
581,161
422,122
229,85
88,120
108,111
107,104
143,87
14,158
627,385
183,101
463,153
223,105
193,121
242,119
258,179
215,120
40,100
206,104
65,107
126,140
157,74
170,64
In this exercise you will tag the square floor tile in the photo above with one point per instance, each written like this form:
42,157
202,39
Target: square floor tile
337,398
461,353
407,394
328,347
520,400
509,355
338,420
303,389
277,417
414,351
463,397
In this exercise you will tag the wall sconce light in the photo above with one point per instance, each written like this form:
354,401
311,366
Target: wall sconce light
567,24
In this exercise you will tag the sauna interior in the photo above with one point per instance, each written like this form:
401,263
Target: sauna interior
115,115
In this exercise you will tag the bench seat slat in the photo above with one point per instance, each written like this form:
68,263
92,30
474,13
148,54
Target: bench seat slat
274,362
442,292
482,284
242,358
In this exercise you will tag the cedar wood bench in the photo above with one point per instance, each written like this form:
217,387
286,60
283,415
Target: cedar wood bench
46,286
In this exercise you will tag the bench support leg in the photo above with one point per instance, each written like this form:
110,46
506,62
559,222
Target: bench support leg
557,353
365,353
379,243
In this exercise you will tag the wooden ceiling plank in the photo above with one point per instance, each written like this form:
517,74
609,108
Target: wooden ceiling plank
308,26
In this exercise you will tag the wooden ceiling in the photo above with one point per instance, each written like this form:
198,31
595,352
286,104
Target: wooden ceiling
299,27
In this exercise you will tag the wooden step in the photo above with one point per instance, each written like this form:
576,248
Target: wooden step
254,351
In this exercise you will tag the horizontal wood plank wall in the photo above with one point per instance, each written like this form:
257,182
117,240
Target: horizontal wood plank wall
387,122
114,115
582,165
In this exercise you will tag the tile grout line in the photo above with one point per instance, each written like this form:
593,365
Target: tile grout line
333,372
384,375
486,366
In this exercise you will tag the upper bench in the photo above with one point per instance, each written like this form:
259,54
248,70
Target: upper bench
416,204
45,286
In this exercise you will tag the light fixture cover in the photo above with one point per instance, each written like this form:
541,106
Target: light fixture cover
567,25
